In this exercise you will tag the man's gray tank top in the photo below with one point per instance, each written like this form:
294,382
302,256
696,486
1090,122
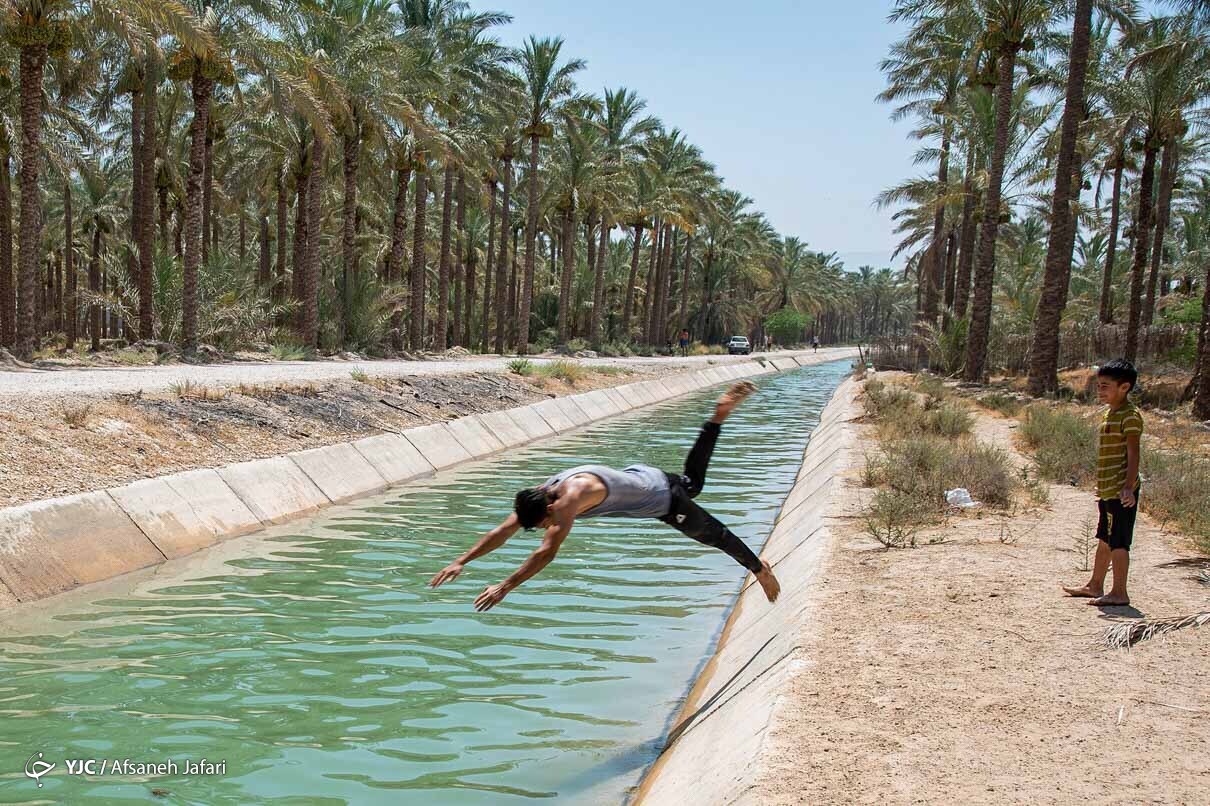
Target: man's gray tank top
638,491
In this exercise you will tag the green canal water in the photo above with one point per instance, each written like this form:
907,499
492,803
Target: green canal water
314,663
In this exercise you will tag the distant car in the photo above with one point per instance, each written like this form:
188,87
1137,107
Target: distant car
739,346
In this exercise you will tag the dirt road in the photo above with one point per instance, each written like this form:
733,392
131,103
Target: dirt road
105,381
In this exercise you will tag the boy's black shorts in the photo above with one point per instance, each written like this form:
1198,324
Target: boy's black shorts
1116,524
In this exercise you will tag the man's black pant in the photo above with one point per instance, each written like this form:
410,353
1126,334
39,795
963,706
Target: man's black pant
688,518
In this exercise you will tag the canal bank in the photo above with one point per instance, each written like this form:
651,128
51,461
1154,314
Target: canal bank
48,547
713,753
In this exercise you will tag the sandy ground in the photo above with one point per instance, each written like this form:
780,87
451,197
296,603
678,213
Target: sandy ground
959,673
113,380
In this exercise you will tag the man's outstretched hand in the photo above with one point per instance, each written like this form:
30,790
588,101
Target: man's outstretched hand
492,595
447,574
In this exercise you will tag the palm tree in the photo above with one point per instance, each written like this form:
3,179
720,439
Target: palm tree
925,72
548,87
1043,369
1011,27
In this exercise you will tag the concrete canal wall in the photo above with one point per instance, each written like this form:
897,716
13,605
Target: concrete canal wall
47,547
713,753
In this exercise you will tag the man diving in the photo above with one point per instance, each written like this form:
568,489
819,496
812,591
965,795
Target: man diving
638,491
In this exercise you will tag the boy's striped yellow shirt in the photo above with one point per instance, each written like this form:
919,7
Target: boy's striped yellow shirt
1116,425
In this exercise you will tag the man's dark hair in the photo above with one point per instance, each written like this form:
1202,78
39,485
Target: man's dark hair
1119,370
530,505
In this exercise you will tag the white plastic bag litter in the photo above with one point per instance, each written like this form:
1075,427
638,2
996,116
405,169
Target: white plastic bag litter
960,497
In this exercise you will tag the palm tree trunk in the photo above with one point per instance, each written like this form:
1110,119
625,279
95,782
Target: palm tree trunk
162,193
207,196
33,60
653,259
951,266
309,333
1106,312
966,238
69,261
582,327
94,285
667,264
934,268
531,233
1142,240
299,254
264,276
628,306
502,266
569,268
489,269
416,325
1162,211
1200,385
1044,353
706,266
146,230
279,281
443,274
395,263
598,285
194,243
464,271
134,261
985,263
8,307
348,230
683,318
513,296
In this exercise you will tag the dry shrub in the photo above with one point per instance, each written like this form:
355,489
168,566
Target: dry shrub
1064,443
188,390
77,416
894,518
1175,491
925,466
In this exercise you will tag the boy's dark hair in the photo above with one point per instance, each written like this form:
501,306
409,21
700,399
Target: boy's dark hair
1120,370
530,506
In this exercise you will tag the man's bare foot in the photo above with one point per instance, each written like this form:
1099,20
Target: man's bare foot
768,582
1110,599
1086,592
732,398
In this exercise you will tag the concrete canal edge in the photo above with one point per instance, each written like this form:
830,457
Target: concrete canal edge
713,752
48,547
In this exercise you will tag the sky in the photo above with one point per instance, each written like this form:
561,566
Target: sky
778,94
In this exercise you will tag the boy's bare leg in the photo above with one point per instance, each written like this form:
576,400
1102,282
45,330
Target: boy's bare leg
1100,567
1117,594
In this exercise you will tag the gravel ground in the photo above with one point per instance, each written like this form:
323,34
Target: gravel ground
103,381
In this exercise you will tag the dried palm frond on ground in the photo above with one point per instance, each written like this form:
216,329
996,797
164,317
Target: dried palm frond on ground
1204,576
1126,635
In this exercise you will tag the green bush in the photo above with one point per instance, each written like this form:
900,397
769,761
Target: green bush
615,349
521,366
787,325
568,371
1064,443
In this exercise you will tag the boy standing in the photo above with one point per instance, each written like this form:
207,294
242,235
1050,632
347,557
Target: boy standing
1117,484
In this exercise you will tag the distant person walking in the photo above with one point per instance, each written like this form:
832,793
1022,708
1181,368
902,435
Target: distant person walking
768,342
684,343
638,491
815,344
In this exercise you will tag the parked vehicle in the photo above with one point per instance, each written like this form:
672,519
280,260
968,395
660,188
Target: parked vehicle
739,346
